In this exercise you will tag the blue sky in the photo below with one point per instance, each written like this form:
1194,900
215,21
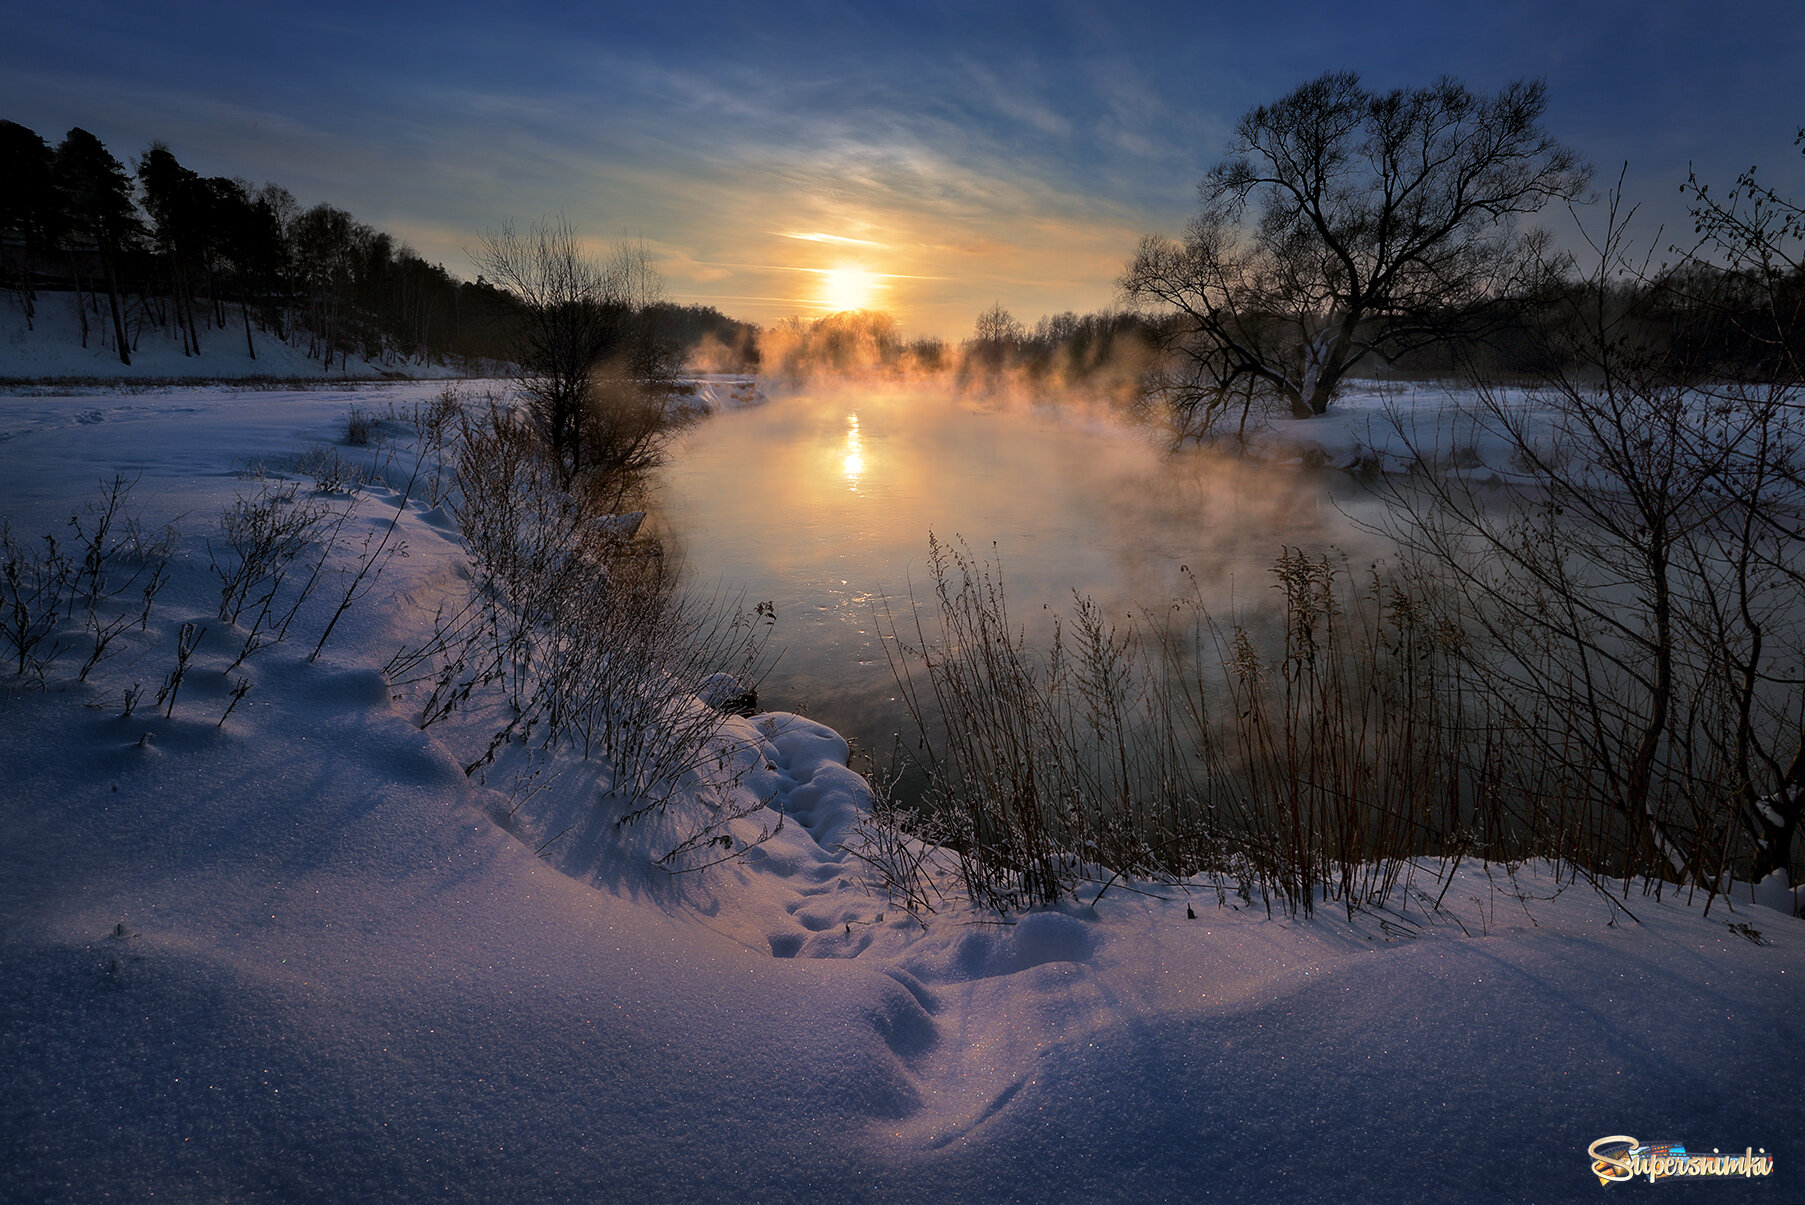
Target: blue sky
957,154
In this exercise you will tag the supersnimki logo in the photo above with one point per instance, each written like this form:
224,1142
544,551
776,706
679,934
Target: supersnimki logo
1621,1157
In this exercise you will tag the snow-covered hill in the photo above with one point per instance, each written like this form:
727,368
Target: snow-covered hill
50,347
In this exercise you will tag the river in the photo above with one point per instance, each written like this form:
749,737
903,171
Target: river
822,502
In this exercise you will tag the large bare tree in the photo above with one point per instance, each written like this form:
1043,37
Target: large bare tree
1347,223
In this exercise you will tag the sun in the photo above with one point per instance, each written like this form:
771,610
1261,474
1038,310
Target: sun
848,288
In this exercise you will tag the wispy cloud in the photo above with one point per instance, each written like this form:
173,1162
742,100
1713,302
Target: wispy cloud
839,239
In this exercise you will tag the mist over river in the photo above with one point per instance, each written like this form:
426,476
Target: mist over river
822,501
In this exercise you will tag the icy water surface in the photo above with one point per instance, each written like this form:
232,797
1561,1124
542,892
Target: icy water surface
822,502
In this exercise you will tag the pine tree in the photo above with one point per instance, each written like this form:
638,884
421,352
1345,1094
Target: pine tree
97,195
30,210
177,202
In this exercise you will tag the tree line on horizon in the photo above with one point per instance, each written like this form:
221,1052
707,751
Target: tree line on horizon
162,251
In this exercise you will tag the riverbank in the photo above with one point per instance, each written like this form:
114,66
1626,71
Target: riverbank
52,351
282,946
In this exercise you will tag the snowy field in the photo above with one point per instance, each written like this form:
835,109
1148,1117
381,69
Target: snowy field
297,954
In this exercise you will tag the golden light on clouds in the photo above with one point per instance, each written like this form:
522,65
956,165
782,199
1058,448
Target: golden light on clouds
841,284
818,237
931,270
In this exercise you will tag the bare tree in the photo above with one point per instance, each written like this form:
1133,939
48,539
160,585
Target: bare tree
588,362
998,335
1382,222
1746,275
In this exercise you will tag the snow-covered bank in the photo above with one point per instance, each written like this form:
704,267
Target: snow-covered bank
300,955
51,348
711,393
1397,427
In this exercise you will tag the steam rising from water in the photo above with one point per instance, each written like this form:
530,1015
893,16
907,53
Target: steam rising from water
823,501
1102,358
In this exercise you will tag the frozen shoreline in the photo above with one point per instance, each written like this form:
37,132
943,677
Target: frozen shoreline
300,954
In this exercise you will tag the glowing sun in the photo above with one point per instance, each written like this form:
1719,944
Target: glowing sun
848,288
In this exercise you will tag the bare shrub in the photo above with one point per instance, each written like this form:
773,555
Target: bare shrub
117,559
359,427
112,569
240,689
901,850
1170,747
35,585
260,538
331,472
187,640
582,629
374,555
436,425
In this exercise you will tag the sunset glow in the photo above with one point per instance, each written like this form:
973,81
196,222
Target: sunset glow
849,288
954,163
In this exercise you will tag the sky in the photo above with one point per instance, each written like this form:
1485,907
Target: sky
925,159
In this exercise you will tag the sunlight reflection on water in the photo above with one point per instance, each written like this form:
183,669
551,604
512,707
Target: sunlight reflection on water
823,501
852,461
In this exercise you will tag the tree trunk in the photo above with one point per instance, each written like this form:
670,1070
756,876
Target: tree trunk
194,330
125,352
81,309
1640,778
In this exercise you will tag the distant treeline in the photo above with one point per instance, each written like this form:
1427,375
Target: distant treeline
1107,352
162,250
1723,322
1705,320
